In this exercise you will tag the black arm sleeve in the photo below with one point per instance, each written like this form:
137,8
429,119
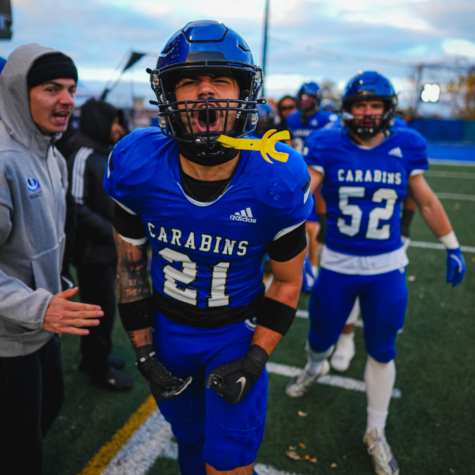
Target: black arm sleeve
407,215
128,225
288,246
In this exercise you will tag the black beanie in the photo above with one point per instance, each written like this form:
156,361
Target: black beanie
49,67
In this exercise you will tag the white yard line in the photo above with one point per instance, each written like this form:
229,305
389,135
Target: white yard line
441,161
153,439
436,245
439,174
329,379
455,196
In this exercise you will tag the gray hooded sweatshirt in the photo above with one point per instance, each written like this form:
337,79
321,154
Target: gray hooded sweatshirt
33,183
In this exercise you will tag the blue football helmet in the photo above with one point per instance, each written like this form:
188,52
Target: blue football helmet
369,86
309,96
206,47
266,115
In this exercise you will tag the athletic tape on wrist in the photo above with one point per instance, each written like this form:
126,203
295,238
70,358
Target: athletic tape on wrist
450,241
275,315
137,315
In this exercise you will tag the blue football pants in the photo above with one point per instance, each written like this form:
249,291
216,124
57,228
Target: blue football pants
383,300
207,427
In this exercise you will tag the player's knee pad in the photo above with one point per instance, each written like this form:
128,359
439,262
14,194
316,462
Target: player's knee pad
317,357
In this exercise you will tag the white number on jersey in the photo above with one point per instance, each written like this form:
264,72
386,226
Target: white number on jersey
383,194
297,142
344,193
188,274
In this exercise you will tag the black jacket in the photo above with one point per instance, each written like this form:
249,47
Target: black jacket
87,163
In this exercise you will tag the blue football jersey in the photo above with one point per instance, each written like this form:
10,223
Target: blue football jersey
364,188
301,129
207,255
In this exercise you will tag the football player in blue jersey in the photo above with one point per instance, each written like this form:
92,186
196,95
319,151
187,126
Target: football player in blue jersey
307,118
210,213
366,171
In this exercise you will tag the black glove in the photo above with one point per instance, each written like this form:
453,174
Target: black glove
234,380
162,383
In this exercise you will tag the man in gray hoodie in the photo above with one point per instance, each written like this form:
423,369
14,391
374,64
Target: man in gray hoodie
37,96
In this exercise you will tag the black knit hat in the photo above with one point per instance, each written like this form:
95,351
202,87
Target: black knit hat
49,67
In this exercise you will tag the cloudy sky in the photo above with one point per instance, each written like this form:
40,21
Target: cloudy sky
317,39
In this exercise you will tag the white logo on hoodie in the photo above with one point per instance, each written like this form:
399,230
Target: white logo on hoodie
33,184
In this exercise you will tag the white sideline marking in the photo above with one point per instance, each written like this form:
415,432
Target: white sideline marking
468,176
329,379
436,245
266,470
442,161
153,439
456,196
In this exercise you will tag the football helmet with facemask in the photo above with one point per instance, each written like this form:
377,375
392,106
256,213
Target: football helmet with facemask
309,97
206,48
368,86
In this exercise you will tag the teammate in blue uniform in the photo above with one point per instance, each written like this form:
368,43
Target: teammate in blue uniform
301,123
210,214
345,346
366,171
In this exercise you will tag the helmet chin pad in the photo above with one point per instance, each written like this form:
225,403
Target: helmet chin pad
207,156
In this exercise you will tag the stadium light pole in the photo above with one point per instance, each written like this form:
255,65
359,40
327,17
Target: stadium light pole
264,47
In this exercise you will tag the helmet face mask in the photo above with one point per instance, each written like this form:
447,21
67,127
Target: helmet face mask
367,87
206,49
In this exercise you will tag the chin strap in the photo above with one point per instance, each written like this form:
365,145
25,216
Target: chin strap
266,145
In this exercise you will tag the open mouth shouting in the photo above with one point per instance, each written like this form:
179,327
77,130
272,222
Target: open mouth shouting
61,117
207,118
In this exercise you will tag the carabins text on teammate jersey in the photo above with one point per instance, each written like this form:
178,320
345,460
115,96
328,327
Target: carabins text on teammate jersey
373,176
199,242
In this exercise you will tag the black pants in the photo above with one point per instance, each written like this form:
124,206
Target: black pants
31,395
97,286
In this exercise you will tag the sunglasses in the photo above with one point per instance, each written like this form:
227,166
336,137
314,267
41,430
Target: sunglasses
288,108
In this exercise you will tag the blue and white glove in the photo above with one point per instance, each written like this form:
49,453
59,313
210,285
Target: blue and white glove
308,276
455,266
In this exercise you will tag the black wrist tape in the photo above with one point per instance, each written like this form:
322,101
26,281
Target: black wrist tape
407,215
275,315
137,315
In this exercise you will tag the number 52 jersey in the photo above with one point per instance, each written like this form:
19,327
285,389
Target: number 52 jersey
364,188
207,257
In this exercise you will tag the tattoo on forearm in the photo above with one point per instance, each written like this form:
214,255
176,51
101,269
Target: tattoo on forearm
141,337
132,278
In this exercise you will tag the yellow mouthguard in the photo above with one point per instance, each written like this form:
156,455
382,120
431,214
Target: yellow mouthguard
266,145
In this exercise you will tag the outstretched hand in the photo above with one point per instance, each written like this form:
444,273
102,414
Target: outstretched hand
63,316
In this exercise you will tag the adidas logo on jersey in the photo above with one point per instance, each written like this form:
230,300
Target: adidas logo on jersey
396,152
244,216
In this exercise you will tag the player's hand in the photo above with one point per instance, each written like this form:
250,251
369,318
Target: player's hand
234,380
455,266
162,383
307,272
63,316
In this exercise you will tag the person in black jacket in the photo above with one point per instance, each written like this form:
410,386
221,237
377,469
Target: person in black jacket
94,252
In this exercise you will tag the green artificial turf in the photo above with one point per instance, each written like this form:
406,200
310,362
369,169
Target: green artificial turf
430,428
